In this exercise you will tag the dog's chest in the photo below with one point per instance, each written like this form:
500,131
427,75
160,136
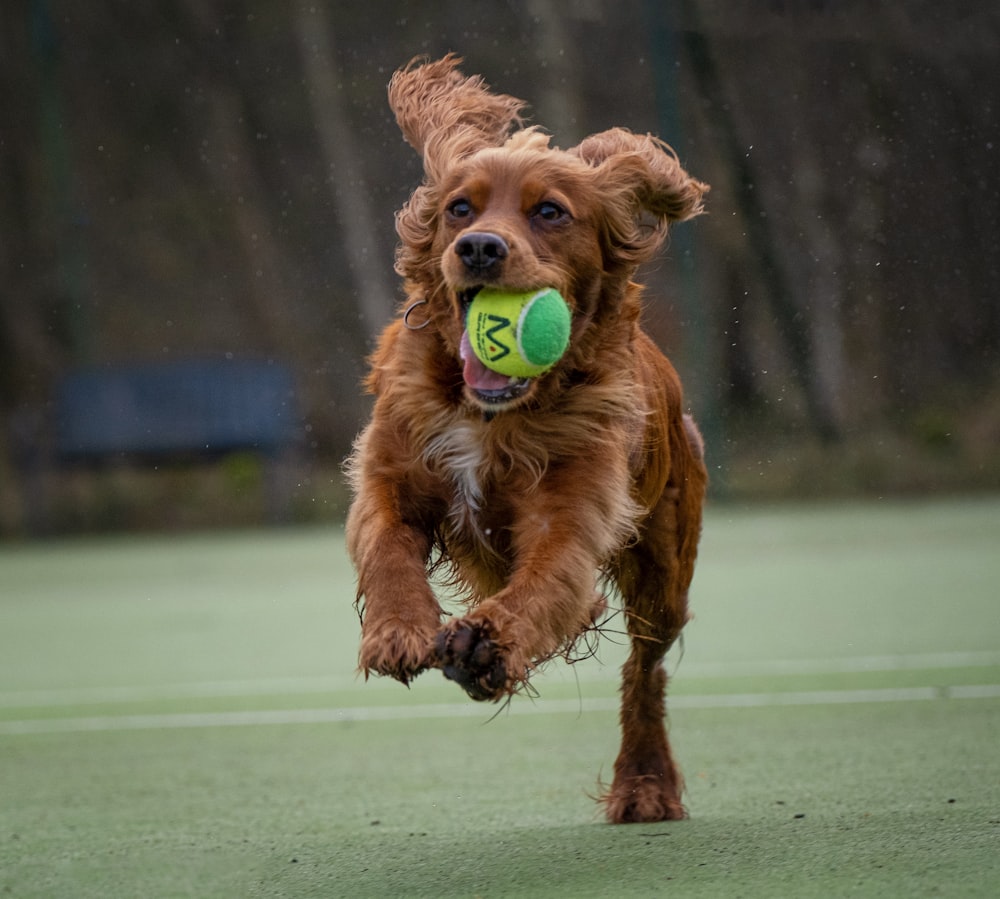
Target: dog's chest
478,507
458,455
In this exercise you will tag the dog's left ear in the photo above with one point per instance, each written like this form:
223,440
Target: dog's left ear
645,189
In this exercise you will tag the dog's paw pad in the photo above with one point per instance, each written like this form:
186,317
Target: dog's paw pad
467,655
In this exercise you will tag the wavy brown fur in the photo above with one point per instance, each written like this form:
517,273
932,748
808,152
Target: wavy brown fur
589,471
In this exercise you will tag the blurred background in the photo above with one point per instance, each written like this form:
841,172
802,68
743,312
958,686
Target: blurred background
201,193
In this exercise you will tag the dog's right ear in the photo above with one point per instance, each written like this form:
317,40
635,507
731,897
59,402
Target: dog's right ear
444,114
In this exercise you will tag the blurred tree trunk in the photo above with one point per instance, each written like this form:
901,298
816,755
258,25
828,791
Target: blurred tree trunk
793,323
35,215
345,167
229,159
557,101
238,181
815,259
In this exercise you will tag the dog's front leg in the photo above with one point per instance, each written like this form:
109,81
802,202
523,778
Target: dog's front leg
562,531
400,615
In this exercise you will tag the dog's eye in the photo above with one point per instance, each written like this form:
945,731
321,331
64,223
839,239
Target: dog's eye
460,209
550,212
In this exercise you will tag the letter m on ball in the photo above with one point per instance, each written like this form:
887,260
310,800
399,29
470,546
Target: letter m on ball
495,348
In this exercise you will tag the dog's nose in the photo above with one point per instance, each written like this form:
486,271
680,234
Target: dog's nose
480,250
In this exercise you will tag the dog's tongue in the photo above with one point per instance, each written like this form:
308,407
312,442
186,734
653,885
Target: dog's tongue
477,375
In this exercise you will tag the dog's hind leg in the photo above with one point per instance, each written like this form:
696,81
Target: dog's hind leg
653,578
647,784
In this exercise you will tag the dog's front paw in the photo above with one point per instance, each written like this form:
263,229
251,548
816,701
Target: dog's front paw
467,654
396,650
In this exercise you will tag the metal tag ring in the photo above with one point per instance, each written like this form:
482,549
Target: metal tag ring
409,310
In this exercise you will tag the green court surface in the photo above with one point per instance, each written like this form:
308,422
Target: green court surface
179,716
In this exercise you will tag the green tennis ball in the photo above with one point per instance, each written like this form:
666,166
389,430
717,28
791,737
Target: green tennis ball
519,334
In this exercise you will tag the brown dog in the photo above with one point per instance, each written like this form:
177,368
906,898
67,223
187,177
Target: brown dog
529,493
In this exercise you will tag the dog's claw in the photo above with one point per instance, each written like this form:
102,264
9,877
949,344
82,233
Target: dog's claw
468,656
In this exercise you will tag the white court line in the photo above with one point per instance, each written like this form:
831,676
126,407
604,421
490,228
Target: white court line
473,710
688,670
279,686
844,665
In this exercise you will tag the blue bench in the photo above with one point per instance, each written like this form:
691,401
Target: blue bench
190,410
165,409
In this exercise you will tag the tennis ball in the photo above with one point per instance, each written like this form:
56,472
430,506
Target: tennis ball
518,334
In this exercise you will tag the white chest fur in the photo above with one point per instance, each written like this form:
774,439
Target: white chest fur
458,452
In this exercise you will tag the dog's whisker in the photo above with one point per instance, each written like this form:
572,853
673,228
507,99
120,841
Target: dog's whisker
503,706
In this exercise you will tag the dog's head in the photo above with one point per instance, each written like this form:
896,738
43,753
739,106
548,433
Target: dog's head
500,207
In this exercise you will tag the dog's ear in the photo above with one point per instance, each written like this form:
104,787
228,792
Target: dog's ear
446,115
645,189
